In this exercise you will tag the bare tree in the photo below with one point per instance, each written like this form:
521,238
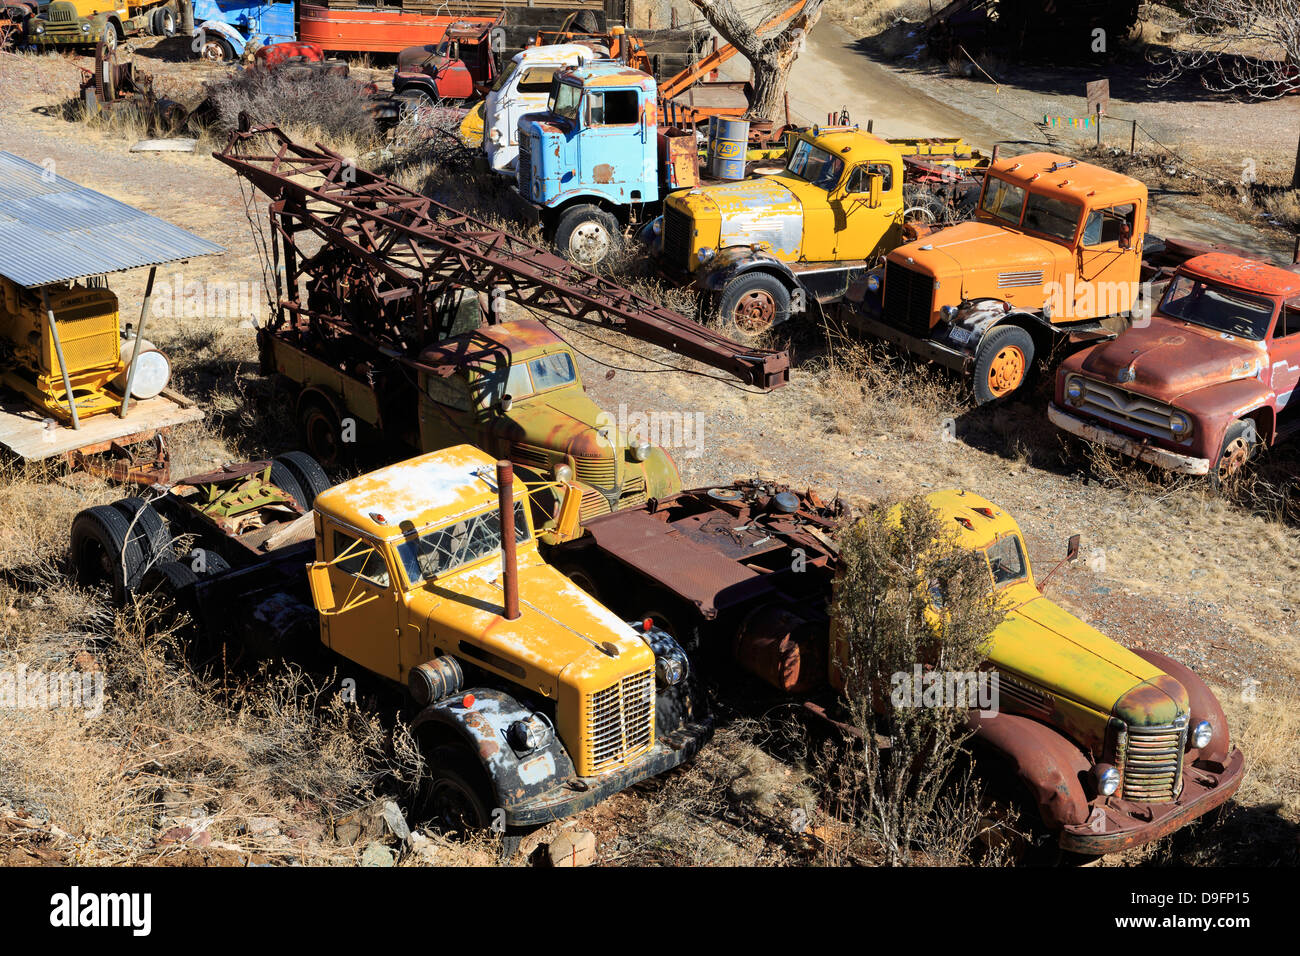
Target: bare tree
1247,47
771,53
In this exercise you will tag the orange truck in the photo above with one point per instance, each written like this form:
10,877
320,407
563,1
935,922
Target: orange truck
1058,251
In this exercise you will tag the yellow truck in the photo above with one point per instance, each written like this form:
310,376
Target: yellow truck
83,23
1111,748
530,700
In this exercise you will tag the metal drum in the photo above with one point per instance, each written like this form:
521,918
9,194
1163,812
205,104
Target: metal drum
728,141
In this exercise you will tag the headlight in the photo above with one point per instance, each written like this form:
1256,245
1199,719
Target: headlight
1180,425
873,283
640,450
1074,390
669,671
40,28
657,226
949,312
563,472
1107,779
706,254
1202,734
530,733
85,28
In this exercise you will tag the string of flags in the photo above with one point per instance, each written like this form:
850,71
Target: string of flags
1069,122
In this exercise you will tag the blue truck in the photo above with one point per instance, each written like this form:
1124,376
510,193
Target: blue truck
223,28
590,164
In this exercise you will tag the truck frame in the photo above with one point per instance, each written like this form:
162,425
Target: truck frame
529,700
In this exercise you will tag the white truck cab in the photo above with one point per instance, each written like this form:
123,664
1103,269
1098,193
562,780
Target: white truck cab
522,87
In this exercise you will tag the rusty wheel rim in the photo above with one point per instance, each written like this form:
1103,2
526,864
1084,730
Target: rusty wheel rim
1233,458
1006,371
213,51
589,244
755,312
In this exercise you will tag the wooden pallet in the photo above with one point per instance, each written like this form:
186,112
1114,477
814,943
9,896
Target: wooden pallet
25,432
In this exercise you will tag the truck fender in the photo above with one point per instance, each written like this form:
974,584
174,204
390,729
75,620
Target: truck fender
1205,706
737,260
1049,765
315,394
423,81
237,39
513,775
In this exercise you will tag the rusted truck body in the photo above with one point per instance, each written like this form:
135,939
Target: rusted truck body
1211,378
1113,747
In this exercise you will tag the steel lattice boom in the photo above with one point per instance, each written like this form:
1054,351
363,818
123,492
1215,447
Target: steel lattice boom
389,257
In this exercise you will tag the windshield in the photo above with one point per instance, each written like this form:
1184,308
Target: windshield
431,553
1006,560
815,165
538,79
564,100
524,378
1214,307
1058,218
504,77
1003,200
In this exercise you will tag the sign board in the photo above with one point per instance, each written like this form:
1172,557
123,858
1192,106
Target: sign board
1098,96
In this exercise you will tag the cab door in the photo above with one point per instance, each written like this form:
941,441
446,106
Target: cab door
1284,357
363,625
447,413
618,150
1109,261
862,220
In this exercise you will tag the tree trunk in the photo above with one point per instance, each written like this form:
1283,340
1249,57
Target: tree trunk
771,75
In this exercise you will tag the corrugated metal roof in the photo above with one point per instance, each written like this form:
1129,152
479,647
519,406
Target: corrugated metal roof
52,230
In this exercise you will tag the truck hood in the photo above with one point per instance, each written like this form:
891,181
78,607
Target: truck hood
1170,358
765,210
564,420
982,254
1051,648
560,629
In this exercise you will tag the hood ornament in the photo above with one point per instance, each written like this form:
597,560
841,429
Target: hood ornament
1126,374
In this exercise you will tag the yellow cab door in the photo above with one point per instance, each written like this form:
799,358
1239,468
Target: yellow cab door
363,625
861,220
1109,261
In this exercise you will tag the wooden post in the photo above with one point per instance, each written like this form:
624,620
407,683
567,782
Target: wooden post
1295,176
1099,126
1133,139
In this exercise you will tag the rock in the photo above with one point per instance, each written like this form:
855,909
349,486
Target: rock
575,848
257,825
376,854
175,835
381,820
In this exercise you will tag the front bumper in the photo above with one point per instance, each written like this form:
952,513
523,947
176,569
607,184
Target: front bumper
1119,825
572,796
1134,448
64,36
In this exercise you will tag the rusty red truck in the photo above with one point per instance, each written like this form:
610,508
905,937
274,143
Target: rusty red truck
1206,382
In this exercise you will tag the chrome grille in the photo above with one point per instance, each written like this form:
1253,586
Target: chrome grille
1016,280
530,456
677,238
593,504
1153,763
620,721
524,165
1121,407
909,299
601,472
633,494
61,13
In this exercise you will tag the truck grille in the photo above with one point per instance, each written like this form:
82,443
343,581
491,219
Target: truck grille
530,456
600,472
619,722
909,299
1017,280
1153,763
632,495
1122,407
524,165
677,239
61,13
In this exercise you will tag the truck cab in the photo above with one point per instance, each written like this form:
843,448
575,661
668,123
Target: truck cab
84,23
1055,249
1115,747
807,231
590,164
459,67
534,698
226,27
1208,380
524,86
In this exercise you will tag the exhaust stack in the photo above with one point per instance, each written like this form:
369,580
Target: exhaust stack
506,514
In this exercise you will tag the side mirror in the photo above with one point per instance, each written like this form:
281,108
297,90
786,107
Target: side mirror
1072,548
566,517
322,592
1125,236
875,183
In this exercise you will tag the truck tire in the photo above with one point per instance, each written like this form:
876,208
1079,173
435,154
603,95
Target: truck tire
173,582
1239,443
1002,363
105,551
148,531
754,303
284,479
163,22
322,432
311,477
111,37
412,99
588,235
217,49
453,793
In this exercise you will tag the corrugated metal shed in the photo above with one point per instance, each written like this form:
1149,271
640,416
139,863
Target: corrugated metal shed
52,230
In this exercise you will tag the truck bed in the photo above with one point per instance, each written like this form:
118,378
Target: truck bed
24,434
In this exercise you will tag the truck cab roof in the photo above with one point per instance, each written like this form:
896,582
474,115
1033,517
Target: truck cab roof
849,143
1083,183
1249,275
490,343
412,494
607,73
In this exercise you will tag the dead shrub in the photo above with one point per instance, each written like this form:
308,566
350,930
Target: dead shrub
319,103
